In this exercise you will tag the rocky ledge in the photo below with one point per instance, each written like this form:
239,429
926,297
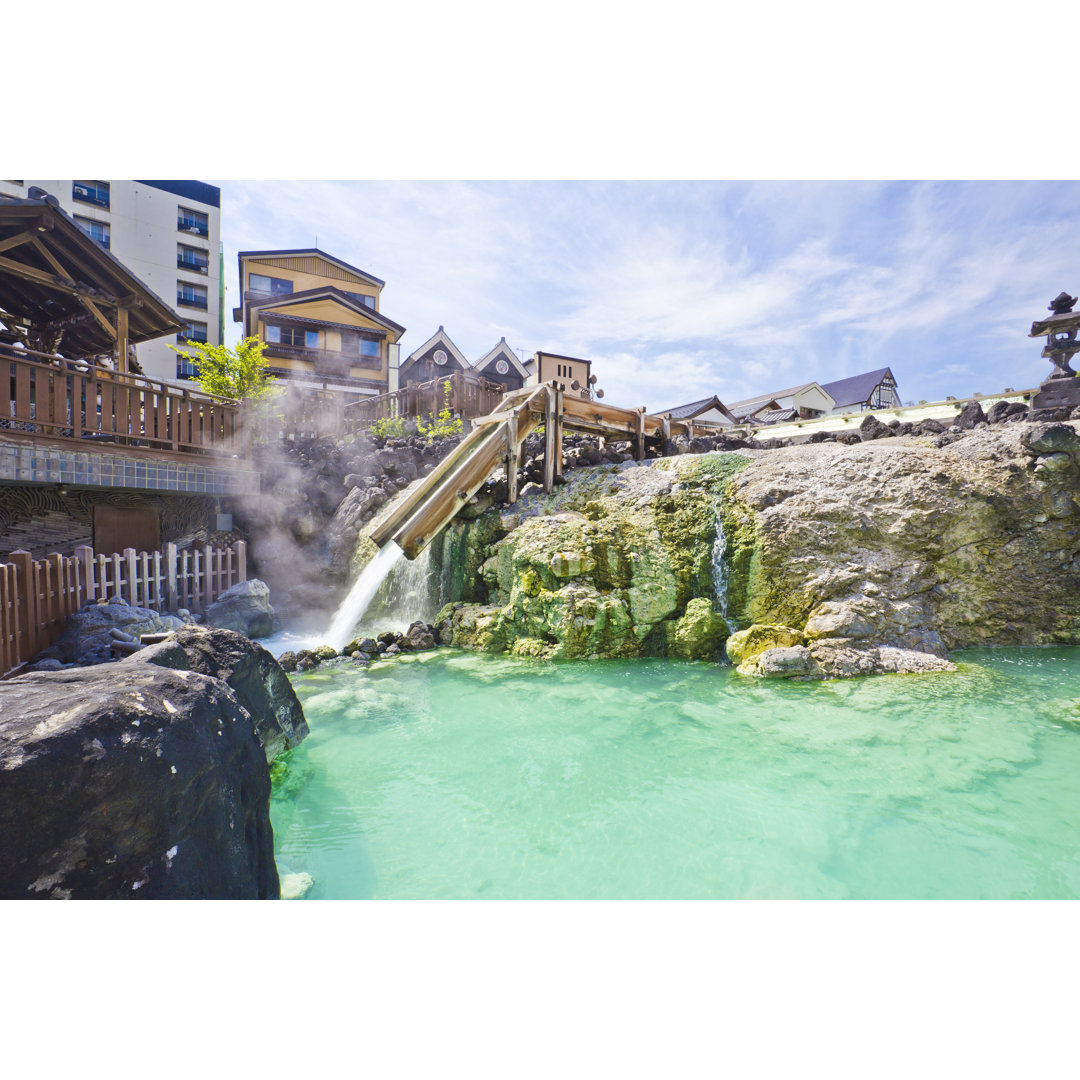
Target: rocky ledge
148,778
830,559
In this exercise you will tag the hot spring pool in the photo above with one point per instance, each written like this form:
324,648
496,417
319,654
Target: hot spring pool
449,775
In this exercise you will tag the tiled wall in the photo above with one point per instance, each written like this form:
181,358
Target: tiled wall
27,463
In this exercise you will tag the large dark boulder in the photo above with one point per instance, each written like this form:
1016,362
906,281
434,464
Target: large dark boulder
88,633
245,608
257,679
128,781
970,417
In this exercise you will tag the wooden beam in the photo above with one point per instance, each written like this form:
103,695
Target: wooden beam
549,440
86,302
52,281
17,239
122,341
558,433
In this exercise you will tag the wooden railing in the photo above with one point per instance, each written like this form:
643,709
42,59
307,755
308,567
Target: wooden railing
37,596
76,401
469,396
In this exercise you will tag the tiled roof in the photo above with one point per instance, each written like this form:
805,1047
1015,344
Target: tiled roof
776,416
686,412
856,388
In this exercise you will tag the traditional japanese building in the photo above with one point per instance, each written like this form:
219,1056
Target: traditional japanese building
565,370
801,402
707,411
438,356
871,390
319,318
501,365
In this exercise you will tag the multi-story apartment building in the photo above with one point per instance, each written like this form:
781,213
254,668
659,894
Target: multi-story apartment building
319,318
168,234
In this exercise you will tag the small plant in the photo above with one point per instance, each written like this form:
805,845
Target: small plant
389,427
445,424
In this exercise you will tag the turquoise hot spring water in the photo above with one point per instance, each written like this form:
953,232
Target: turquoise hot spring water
452,775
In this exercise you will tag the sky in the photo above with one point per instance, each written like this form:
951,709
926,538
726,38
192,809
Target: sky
680,290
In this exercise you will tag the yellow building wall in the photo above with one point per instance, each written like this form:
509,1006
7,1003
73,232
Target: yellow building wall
303,280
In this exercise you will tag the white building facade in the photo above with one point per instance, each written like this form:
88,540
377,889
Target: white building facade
168,234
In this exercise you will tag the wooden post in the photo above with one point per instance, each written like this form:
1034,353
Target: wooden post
59,607
86,554
639,438
144,574
208,576
132,577
171,599
241,560
558,433
665,424
512,459
26,604
549,440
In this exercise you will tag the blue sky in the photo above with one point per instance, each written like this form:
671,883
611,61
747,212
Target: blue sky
680,290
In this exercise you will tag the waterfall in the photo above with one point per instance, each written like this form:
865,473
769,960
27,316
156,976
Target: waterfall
721,571
361,594
408,594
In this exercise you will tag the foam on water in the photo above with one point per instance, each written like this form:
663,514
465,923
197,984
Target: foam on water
451,774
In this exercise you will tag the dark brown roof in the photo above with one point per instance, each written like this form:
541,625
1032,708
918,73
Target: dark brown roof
48,277
334,294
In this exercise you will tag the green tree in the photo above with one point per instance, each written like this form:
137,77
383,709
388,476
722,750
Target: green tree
238,373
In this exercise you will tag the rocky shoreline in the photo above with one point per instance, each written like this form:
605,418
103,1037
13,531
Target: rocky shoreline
878,556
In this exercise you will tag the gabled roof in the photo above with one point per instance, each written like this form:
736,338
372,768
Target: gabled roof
326,292
776,416
440,337
696,408
743,409
300,253
856,388
501,351
51,270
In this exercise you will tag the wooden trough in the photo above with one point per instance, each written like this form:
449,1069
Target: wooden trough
417,516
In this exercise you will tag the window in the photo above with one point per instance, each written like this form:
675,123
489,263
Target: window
91,191
192,331
191,295
192,221
367,301
268,286
193,259
355,345
96,230
296,336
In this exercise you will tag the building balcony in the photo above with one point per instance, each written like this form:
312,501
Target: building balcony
192,301
328,362
193,227
194,267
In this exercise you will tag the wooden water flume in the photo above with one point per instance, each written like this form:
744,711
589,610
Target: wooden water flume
417,516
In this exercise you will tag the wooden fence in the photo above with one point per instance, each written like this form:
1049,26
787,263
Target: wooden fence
37,596
73,400
465,394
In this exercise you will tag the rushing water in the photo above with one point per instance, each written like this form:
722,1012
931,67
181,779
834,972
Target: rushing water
445,774
352,608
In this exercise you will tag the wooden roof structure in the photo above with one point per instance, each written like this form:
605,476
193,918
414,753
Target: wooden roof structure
63,290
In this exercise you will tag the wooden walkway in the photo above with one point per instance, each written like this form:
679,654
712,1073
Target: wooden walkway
415,518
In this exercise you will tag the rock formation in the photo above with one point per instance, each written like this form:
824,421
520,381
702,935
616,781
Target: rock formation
245,608
881,555
147,778
140,783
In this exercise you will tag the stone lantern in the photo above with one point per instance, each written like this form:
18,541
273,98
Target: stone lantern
1061,389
